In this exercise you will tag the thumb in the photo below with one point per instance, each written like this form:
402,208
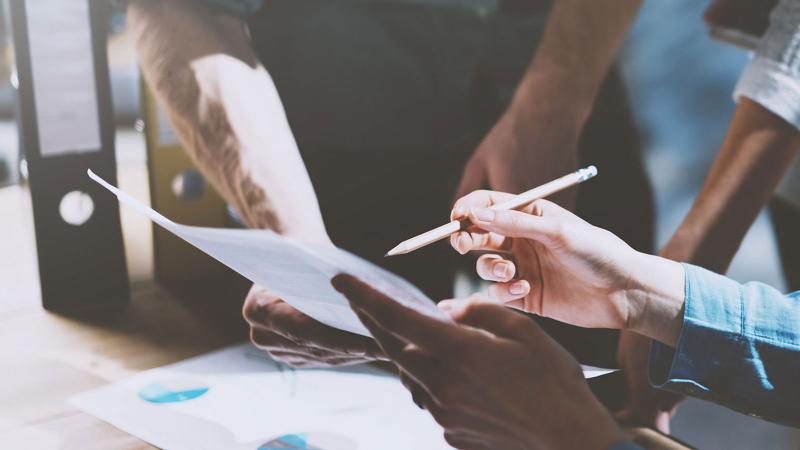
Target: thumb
473,178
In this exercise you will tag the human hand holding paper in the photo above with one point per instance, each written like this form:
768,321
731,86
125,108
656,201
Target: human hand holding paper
293,338
296,272
299,273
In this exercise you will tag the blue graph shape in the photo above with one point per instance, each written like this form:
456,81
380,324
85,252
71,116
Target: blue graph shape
310,440
171,392
290,441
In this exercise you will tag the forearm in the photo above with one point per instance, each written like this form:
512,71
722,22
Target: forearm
655,295
227,113
739,346
579,45
758,150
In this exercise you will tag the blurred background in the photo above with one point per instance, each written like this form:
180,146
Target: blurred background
680,83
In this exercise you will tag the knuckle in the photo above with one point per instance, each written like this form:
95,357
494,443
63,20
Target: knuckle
496,291
249,310
538,207
256,310
560,230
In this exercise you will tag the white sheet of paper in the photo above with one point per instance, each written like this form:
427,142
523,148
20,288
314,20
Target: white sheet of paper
243,400
299,273
62,63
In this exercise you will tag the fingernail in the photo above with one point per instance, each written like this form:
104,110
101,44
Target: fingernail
500,270
459,211
463,244
483,214
518,288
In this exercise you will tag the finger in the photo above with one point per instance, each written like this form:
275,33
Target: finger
472,240
495,268
428,333
481,198
279,348
389,344
269,341
419,395
425,371
281,318
516,224
298,362
508,291
473,177
496,319
546,208
407,357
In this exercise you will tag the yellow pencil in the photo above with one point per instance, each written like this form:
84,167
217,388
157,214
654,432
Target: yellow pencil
439,233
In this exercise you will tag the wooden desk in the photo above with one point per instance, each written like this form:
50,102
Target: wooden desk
46,358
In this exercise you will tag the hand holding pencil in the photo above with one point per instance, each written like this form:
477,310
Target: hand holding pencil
519,201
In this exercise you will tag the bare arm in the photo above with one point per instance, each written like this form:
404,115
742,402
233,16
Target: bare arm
756,153
227,113
579,44
226,110
536,139
758,150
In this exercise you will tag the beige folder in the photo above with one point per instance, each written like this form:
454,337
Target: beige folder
178,191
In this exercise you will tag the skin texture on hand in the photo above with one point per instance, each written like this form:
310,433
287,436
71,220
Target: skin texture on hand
566,269
758,150
536,139
228,116
492,379
293,338
527,147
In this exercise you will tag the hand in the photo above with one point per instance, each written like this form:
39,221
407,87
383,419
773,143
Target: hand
529,145
291,337
569,270
493,383
646,406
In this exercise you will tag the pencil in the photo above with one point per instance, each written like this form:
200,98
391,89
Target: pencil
439,233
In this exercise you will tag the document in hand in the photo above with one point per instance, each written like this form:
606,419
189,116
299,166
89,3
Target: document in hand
300,273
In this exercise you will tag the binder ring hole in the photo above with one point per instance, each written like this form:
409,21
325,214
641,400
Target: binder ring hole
76,208
188,185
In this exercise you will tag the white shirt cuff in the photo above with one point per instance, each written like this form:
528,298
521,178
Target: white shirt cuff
773,86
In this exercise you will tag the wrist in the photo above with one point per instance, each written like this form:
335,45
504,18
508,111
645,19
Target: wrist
655,296
544,93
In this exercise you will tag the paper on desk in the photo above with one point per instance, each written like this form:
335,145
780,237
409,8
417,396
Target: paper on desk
299,273
239,399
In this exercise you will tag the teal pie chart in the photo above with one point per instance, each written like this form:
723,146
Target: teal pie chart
172,391
310,441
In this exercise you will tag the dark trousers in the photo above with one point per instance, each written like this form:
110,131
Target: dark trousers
786,223
388,101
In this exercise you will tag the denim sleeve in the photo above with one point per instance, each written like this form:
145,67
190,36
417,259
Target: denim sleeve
772,79
739,346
